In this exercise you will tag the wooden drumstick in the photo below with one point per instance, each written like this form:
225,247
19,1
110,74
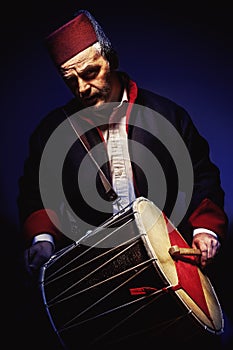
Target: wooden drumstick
175,251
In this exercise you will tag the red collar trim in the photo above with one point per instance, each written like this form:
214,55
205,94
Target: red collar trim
132,93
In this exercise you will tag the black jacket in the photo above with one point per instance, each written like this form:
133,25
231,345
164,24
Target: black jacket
170,160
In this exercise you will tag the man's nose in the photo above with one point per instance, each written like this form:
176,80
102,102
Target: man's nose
83,86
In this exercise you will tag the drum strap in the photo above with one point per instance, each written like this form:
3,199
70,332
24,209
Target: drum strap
109,190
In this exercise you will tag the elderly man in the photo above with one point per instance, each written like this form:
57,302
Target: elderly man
87,159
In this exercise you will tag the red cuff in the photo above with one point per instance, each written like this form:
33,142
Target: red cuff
41,221
211,216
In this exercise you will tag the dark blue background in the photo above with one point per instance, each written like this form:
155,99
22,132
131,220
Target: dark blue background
182,52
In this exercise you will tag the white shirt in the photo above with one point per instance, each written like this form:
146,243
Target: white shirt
117,148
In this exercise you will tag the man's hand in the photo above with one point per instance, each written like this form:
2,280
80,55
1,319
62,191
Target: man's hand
37,255
208,245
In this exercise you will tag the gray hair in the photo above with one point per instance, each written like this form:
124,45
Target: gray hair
107,50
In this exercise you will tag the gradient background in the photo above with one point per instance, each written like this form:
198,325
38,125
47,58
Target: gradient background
182,52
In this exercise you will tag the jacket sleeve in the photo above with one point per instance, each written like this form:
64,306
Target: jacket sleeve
34,218
206,209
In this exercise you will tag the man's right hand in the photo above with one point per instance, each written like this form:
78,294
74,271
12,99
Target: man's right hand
37,255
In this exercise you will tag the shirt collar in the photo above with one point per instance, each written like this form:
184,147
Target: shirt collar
123,99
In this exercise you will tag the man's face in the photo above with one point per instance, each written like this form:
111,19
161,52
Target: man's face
88,76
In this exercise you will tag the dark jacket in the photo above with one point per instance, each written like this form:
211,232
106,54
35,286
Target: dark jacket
170,160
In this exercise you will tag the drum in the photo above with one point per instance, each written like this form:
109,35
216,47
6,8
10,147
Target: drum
125,282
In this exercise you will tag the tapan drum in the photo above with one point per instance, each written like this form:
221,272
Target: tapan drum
121,284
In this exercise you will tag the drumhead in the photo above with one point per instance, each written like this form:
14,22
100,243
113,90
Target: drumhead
186,280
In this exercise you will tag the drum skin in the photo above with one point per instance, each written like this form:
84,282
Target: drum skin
120,286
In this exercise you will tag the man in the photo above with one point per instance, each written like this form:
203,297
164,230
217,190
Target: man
104,131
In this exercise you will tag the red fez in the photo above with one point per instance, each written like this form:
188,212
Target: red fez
70,39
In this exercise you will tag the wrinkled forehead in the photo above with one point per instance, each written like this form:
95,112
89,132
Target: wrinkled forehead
86,58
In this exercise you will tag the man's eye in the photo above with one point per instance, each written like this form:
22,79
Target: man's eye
91,74
71,80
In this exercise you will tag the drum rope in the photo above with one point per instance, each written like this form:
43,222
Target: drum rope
163,325
66,325
86,251
92,272
103,281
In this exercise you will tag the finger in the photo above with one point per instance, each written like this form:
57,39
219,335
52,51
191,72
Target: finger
32,259
204,257
209,253
37,261
27,261
207,256
215,247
